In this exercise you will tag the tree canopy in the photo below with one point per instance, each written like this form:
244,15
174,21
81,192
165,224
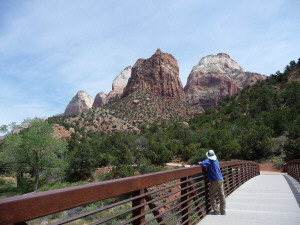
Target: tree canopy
34,150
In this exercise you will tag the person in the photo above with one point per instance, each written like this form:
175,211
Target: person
216,182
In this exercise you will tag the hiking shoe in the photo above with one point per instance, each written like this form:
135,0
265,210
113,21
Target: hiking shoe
223,213
214,213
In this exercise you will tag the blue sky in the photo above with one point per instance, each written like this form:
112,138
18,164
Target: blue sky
51,49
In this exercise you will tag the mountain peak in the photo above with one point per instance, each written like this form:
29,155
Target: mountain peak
214,77
223,55
158,51
159,74
81,102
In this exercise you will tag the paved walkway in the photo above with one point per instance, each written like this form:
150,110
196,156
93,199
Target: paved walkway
268,199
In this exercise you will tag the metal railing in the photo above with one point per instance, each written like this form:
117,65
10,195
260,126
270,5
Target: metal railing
177,196
293,169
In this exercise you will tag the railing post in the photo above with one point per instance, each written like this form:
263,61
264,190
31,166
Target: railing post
238,171
250,170
230,179
244,173
207,199
186,218
140,210
233,178
225,179
240,174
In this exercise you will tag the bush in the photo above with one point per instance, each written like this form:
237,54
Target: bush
149,168
292,149
26,184
123,171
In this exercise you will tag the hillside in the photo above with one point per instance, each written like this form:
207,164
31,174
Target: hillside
127,114
144,107
261,120
94,120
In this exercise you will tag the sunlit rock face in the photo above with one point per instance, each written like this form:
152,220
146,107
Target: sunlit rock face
119,84
215,77
100,99
81,102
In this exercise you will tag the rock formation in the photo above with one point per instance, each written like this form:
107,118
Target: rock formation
60,131
159,74
214,77
81,102
100,99
294,76
119,84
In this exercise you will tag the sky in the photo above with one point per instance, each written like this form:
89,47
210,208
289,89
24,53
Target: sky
51,49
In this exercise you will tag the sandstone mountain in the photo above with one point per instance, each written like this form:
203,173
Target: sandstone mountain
159,74
119,84
81,102
100,99
214,77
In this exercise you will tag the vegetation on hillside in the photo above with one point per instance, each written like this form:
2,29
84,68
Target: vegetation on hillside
94,120
144,107
261,121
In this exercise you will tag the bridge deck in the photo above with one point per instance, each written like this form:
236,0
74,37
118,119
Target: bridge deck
265,199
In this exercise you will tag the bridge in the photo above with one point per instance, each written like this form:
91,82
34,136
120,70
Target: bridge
170,197
271,198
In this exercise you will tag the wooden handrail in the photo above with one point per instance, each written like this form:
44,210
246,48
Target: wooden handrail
293,169
26,207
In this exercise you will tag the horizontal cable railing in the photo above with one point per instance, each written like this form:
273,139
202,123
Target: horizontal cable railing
293,169
171,197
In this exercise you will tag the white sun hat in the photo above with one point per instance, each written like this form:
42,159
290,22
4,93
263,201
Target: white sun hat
211,155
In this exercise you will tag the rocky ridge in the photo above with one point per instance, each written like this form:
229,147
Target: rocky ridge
294,76
159,74
144,107
214,77
98,120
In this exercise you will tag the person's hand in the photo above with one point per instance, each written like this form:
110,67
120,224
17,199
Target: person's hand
199,163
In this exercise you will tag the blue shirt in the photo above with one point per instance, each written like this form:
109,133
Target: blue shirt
213,169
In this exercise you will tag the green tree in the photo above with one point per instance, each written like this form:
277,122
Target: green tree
292,149
10,157
222,142
3,128
36,149
81,160
256,143
190,151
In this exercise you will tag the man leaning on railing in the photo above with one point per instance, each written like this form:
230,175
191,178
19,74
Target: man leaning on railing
216,183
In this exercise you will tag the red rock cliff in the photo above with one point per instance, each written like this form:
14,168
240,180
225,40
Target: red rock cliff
159,74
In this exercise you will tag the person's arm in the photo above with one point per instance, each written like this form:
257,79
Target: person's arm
205,163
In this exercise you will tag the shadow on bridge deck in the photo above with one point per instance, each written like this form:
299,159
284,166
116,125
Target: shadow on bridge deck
265,199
